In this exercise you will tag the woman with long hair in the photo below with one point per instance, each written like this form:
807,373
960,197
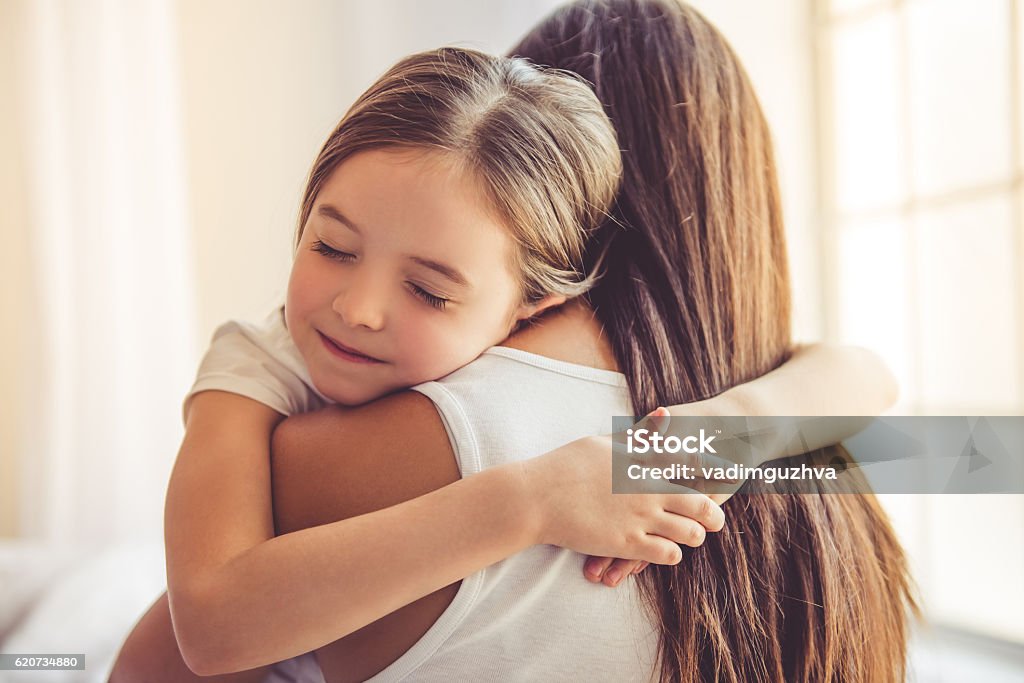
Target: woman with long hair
809,585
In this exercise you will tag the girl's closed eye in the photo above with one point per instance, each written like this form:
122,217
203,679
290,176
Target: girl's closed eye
437,302
330,252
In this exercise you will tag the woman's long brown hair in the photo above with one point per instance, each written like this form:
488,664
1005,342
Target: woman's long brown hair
695,298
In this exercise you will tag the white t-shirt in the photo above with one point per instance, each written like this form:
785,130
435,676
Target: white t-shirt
261,362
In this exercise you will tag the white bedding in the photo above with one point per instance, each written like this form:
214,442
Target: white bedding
67,600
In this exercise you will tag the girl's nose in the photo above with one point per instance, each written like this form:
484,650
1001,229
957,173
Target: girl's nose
358,307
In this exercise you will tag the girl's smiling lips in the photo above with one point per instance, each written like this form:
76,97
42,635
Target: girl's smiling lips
344,352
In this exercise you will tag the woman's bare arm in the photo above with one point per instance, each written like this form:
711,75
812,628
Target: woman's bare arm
314,484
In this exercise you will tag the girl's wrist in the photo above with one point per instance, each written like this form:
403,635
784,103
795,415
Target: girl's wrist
516,490
529,482
553,484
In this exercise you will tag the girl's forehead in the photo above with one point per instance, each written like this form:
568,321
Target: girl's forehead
433,180
423,204
421,188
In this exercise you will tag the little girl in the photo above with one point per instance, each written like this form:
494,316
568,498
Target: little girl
449,206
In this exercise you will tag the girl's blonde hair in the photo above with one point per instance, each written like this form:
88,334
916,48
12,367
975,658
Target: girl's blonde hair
537,140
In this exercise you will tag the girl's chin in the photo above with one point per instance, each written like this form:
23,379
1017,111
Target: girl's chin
352,396
351,399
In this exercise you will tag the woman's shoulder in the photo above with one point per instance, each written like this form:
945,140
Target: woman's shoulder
556,357
401,434
570,333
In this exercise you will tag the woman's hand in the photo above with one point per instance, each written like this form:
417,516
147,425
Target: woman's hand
571,489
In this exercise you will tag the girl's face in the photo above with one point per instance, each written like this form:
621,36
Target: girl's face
402,276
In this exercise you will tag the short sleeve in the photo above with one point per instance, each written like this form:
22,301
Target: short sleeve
258,362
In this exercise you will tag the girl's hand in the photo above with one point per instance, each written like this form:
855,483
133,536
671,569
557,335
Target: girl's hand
571,490
611,571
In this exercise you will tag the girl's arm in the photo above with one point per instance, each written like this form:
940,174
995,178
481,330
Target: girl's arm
241,598
818,379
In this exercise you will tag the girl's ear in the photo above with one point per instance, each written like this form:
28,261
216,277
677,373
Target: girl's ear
527,311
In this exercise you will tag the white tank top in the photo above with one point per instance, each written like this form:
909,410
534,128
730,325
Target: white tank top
533,616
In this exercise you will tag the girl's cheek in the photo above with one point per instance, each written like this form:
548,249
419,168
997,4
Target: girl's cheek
309,283
296,304
298,280
432,352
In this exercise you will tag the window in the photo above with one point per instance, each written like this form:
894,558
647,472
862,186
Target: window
921,149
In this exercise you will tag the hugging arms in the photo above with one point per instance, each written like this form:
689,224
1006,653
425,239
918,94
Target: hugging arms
334,465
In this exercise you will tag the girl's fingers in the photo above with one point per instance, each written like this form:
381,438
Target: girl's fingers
659,550
681,530
697,507
656,421
611,571
595,567
659,418
701,465
620,569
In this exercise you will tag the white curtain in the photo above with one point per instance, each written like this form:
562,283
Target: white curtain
119,187
111,274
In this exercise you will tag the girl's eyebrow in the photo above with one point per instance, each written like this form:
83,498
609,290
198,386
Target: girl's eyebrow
332,212
445,270
328,211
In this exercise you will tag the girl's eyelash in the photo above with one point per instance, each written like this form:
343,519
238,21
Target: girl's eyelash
435,301
331,252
